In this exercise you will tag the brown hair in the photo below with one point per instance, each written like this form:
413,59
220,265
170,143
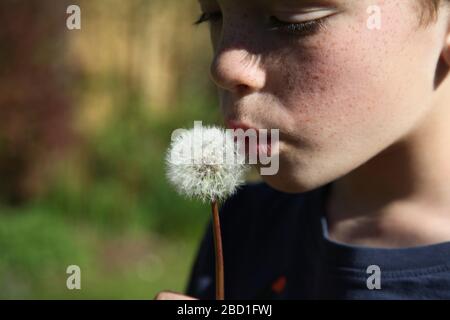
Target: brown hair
430,10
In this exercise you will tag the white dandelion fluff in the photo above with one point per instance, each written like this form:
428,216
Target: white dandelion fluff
205,163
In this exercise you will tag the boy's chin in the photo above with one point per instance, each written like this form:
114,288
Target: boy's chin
286,183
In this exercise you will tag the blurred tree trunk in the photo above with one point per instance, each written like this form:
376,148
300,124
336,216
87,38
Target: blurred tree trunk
34,104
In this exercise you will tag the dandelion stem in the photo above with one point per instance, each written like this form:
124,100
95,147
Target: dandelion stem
220,286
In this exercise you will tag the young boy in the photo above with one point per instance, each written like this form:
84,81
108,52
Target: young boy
360,91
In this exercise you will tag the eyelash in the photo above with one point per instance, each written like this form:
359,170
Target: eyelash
208,17
304,28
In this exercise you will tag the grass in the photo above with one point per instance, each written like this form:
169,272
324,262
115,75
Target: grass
109,210
37,247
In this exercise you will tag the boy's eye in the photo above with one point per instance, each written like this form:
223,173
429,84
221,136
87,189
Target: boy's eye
300,28
209,17
305,23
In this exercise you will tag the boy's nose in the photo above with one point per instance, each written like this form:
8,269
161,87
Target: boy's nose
238,71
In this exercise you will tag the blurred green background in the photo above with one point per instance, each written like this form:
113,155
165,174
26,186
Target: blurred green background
85,119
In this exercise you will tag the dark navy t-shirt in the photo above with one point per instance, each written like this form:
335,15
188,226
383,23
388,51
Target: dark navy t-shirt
276,247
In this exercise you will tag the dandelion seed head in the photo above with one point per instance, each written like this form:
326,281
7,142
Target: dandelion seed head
205,164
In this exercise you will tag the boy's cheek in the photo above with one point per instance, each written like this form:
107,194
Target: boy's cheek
352,83
348,100
351,114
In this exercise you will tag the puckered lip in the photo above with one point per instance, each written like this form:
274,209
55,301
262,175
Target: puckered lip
235,124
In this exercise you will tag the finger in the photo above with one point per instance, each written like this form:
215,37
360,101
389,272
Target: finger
167,295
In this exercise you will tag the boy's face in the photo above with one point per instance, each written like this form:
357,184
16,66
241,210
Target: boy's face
339,93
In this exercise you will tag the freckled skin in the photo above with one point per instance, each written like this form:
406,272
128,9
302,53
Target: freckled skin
339,97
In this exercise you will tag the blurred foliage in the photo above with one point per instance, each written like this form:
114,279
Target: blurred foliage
34,104
86,117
